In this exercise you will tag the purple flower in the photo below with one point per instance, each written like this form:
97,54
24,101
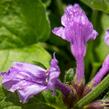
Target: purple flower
77,30
101,73
98,77
96,105
106,38
29,80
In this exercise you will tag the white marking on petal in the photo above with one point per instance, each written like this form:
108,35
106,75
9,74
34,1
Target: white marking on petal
106,38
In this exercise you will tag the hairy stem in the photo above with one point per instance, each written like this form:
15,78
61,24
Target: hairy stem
80,70
94,93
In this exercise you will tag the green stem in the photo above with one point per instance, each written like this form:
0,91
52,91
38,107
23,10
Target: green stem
94,93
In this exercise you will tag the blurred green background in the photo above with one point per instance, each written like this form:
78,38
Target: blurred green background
25,34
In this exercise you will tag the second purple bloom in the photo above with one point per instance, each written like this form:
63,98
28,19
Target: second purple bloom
29,80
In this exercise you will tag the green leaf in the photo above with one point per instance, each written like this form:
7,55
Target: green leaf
4,100
32,54
54,101
38,102
101,5
11,101
69,75
22,23
46,101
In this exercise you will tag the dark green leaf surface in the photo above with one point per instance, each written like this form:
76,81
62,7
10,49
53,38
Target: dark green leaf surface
54,101
30,54
22,23
69,75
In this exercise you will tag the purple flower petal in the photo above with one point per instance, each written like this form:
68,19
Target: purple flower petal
98,77
101,73
29,80
93,35
60,32
23,71
106,38
29,91
77,30
96,105
54,73
29,68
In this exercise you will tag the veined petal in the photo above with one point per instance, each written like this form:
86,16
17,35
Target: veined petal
33,69
77,28
9,85
22,76
23,71
54,73
60,31
93,35
29,91
14,85
29,80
